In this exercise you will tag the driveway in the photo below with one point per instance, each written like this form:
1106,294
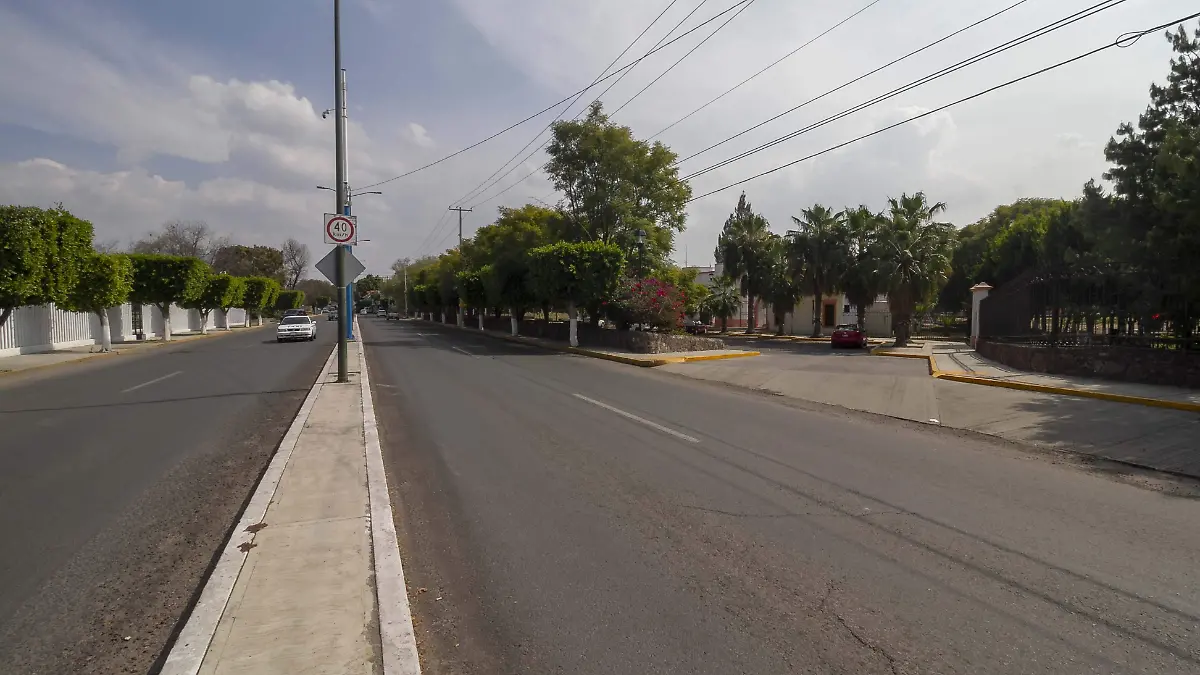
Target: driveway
1151,437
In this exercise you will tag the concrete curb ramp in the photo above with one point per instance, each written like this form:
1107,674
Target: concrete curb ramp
1040,388
178,339
607,356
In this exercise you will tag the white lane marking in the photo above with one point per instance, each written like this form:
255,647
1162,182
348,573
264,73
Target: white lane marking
460,350
396,634
154,381
187,654
642,420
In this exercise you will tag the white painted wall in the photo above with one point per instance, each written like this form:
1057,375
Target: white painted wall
46,328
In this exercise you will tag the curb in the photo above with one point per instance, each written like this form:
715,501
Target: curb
397,637
96,355
627,360
1040,388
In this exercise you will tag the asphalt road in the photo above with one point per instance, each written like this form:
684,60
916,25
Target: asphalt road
119,480
566,515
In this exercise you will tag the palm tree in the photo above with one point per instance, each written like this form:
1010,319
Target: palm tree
913,255
743,247
783,289
860,280
818,254
722,301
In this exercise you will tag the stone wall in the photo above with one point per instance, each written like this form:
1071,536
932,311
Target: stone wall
606,338
1124,364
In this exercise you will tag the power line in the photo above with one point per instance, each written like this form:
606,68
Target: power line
698,45
1032,35
475,190
1125,40
772,65
561,101
601,96
855,80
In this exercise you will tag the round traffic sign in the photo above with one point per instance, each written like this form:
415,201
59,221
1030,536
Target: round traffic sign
340,229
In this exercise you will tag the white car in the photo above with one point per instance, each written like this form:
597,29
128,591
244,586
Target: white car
296,328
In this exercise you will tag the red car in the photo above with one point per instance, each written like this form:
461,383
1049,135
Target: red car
848,335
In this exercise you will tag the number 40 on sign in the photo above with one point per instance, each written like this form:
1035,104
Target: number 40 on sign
341,229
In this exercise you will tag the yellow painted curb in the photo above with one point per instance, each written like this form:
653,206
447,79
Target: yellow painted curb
716,357
1065,391
115,352
1041,388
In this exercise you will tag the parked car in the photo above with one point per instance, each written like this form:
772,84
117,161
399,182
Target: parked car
696,327
848,335
381,312
296,328
391,315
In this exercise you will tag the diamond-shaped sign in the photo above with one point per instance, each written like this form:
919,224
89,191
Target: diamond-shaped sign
328,266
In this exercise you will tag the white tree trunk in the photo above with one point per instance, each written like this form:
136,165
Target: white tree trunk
512,318
460,317
260,320
166,314
105,333
573,317
479,316
204,321
443,316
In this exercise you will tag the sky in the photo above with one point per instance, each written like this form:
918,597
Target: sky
136,112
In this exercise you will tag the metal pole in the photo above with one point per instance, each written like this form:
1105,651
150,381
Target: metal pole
345,314
406,291
460,212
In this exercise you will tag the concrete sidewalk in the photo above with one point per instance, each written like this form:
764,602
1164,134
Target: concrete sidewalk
21,363
957,362
311,579
628,358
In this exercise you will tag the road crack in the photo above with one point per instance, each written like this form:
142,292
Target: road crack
866,513
833,586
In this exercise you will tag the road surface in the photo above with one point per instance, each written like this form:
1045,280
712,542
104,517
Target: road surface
119,480
566,515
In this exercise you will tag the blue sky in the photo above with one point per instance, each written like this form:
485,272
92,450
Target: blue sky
133,112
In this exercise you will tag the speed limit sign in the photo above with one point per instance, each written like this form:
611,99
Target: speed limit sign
341,229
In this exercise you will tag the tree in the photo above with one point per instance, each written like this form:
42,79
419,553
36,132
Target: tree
473,291
574,275
316,288
41,254
260,294
504,247
783,287
744,249
321,301
723,300
220,292
860,280
287,299
105,281
367,284
250,261
295,261
164,280
189,239
616,185
1155,178
913,253
817,254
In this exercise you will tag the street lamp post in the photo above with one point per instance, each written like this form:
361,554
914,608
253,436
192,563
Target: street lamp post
640,235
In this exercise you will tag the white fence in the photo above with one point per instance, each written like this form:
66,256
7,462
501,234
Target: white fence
46,328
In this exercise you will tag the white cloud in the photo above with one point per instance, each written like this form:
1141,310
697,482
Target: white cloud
264,146
420,136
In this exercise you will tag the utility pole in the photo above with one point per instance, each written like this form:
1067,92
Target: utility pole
406,291
460,212
345,311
